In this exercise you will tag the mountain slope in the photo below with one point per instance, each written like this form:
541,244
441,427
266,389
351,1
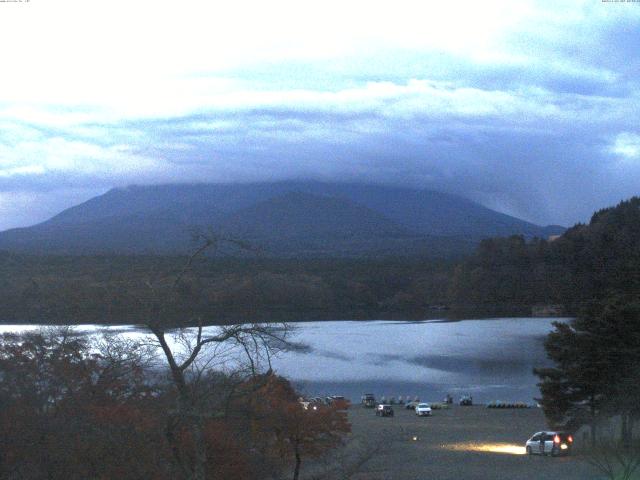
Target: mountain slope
432,213
297,214
284,218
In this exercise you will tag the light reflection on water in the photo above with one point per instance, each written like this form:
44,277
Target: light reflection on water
489,359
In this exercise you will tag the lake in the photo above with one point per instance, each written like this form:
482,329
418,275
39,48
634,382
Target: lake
491,359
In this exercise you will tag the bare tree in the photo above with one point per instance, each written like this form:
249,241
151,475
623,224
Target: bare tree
191,352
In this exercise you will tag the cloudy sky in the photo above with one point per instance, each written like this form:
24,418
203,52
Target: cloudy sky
532,108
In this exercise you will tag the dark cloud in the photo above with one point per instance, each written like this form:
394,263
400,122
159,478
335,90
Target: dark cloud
534,132
547,170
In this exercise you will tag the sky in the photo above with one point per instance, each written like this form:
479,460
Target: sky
529,107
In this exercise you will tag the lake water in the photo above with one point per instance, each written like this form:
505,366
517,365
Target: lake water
491,359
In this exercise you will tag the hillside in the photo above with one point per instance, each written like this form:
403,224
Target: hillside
587,263
282,219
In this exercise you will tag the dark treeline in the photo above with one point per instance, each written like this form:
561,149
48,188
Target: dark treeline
587,263
113,288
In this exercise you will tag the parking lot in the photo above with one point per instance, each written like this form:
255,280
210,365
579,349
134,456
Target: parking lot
460,443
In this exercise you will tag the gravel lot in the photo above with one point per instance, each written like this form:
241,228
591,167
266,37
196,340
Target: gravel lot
452,445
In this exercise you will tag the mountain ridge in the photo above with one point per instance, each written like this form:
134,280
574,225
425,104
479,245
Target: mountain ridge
291,218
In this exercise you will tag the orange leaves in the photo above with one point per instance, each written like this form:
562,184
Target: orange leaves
71,413
294,428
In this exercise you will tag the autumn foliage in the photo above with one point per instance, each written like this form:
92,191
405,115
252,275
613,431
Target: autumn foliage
69,413
296,432
69,410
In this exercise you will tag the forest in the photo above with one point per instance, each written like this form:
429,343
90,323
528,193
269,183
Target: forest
110,289
588,262
504,276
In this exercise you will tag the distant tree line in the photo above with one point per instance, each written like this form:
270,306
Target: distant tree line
108,289
588,262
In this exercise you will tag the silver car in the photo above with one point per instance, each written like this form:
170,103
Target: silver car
423,410
549,443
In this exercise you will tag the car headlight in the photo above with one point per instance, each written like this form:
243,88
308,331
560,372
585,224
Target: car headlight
564,446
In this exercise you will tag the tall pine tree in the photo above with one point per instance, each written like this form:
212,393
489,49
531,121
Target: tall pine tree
597,367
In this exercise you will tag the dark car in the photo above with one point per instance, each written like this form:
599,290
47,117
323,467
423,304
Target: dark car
368,400
384,410
466,400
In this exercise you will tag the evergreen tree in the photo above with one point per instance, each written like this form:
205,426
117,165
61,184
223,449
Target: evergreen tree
597,367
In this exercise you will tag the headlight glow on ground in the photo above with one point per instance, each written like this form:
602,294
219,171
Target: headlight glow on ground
487,447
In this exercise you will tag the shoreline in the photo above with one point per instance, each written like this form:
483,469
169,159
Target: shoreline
391,319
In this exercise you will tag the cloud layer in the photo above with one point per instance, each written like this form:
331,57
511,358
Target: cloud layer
529,107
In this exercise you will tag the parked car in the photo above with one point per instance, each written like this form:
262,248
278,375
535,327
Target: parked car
338,401
549,443
368,400
466,400
423,410
334,398
309,405
412,405
314,403
383,410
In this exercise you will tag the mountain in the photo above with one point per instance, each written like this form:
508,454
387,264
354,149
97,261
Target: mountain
283,219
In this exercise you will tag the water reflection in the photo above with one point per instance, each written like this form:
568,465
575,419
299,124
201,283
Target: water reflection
490,359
